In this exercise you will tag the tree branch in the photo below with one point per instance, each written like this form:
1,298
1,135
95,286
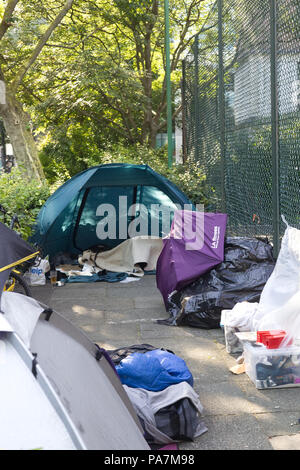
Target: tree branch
163,124
6,20
42,42
125,116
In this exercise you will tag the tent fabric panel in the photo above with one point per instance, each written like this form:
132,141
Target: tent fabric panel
58,238
99,413
112,175
3,278
86,228
14,250
154,196
60,199
28,419
15,247
67,328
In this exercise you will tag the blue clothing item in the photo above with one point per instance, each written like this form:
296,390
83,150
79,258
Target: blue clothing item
154,370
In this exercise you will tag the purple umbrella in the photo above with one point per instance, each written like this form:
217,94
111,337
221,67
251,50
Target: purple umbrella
194,246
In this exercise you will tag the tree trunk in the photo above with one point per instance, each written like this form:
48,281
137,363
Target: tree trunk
149,130
147,84
17,126
153,134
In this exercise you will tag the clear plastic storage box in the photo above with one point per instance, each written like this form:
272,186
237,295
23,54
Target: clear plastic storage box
233,344
272,368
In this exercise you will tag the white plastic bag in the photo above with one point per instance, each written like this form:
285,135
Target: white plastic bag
241,316
279,306
35,276
286,318
236,320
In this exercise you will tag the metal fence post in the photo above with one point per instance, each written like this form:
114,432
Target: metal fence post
196,97
184,104
275,128
168,85
221,96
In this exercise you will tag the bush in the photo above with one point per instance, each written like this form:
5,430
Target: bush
189,178
23,197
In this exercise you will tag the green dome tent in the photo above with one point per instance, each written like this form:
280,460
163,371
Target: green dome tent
103,205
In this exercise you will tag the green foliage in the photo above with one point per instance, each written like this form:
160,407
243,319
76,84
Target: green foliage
68,153
96,91
104,69
189,178
23,197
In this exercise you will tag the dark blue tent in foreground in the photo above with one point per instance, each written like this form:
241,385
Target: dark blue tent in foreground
77,215
14,251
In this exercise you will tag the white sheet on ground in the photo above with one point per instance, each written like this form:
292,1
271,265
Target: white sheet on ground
85,270
128,256
129,279
22,313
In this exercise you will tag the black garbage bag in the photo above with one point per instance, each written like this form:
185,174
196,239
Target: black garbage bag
248,264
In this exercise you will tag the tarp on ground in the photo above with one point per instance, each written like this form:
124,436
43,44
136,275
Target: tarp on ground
194,246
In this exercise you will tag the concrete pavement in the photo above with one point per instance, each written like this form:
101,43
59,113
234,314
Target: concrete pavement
237,415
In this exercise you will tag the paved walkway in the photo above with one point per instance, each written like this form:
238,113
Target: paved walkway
237,415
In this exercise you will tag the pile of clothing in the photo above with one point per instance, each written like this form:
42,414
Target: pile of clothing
160,387
130,260
276,371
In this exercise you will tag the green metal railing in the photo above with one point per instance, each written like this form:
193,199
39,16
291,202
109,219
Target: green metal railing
241,108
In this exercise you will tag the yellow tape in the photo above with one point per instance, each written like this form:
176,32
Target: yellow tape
19,262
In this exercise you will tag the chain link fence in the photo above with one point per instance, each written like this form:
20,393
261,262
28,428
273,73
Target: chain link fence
241,103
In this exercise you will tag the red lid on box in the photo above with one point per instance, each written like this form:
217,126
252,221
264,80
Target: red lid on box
272,339
262,335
